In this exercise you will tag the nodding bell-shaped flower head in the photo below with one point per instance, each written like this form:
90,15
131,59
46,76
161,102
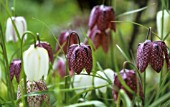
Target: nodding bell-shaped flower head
79,56
99,38
21,26
15,69
153,53
36,100
166,23
63,37
47,46
101,16
129,76
36,63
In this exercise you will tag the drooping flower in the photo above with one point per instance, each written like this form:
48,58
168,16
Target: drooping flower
36,63
129,76
63,37
166,23
15,69
36,100
101,16
21,26
47,46
153,53
79,56
100,26
100,38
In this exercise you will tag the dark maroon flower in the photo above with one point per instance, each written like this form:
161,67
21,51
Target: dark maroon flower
100,38
15,69
129,76
60,68
153,53
63,37
79,56
47,46
143,55
101,16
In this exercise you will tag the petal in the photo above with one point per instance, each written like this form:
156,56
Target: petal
143,55
93,17
69,54
88,61
47,46
156,59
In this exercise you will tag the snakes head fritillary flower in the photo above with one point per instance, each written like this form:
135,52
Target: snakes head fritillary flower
21,26
36,63
15,69
129,76
36,100
101,16
152,53
79,56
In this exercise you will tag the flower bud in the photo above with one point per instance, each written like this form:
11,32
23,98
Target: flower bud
21,26
47,46
79,57
36,100
129,76
15,69
36,63
63,37
166,23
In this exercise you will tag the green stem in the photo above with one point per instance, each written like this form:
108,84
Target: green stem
144,84
6,64
54,37
111,50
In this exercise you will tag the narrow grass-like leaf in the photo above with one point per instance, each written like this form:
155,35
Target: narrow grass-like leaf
131,12
160,100
123,53
166,36
88,103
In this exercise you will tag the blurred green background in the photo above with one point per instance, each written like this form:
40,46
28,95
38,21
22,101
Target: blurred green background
50,17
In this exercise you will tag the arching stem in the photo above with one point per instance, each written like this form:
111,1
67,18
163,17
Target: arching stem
38,37
149,33
68,40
